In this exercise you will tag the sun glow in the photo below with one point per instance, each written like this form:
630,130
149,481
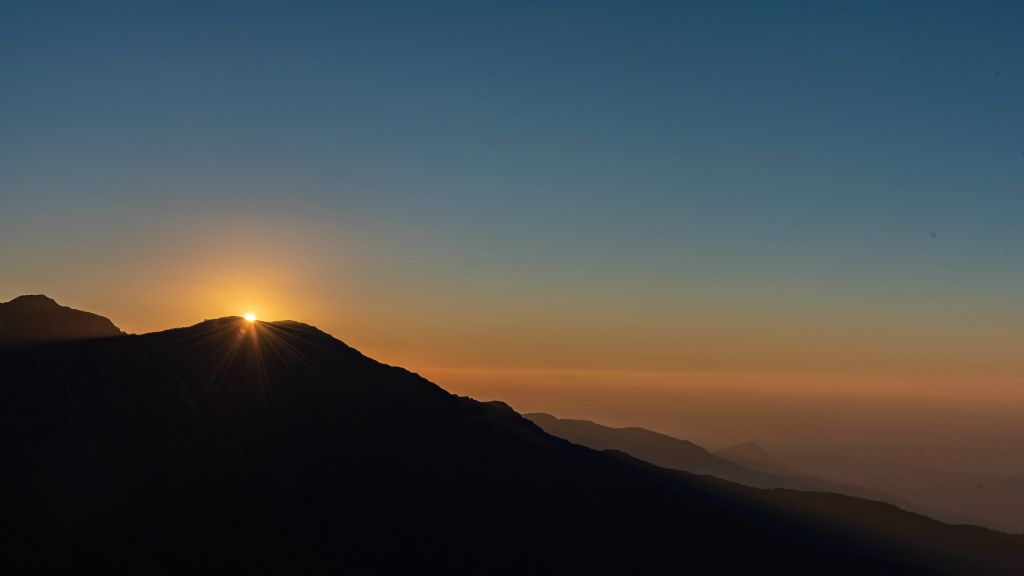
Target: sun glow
250,317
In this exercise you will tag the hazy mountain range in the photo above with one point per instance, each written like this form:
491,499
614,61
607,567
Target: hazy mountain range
272,447
746,463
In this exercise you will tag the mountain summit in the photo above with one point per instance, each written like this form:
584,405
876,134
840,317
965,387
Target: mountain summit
35,318
272,447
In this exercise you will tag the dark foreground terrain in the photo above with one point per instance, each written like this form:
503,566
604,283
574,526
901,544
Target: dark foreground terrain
275,448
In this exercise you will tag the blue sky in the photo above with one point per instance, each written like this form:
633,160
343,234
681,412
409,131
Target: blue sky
815,163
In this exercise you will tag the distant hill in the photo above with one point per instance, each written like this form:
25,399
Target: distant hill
752,466
34,319
653,447
273,448
752,455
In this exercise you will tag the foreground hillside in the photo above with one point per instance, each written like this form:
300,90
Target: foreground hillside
275,448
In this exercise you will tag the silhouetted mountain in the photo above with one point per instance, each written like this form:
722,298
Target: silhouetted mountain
232,447
34,319
669,452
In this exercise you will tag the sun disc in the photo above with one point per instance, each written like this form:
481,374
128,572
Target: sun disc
250,317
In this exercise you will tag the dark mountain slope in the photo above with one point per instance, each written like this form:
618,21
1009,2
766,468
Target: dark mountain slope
274,448
669,452
36,318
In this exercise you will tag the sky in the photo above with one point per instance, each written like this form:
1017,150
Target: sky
728,188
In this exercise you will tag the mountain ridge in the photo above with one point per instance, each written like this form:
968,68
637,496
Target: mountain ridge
678,454
275,446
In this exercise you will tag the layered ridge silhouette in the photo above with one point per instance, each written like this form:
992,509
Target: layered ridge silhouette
274,448
746,464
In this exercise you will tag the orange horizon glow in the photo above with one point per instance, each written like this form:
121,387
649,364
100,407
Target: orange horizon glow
427,315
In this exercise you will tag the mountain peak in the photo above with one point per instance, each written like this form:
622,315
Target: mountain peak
37,318
28,299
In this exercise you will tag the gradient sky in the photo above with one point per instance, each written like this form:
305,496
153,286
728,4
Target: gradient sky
720,187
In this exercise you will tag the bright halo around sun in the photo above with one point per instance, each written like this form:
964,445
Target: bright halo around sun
249,317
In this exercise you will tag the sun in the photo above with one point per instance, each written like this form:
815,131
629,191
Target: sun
249,317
